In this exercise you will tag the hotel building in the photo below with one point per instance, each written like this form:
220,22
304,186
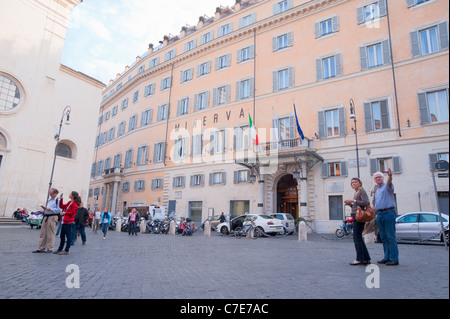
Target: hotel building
174,128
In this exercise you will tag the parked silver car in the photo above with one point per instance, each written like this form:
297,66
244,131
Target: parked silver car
421,226
288,222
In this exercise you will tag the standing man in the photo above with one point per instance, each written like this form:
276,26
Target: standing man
384,203
81,220
49,221
96,221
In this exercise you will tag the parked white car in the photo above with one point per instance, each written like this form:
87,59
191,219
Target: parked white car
287,221
265,223
421,226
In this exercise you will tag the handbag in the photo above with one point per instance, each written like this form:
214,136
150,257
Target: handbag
365,215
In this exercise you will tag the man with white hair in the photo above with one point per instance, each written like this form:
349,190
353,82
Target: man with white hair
384,205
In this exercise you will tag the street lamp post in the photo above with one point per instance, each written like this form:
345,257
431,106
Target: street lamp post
353,116
66,113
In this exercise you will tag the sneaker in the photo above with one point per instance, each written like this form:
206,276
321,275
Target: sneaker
63,252
57,252
48,251
84,243
38,252
104,238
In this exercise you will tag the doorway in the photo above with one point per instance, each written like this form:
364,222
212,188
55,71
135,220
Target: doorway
287,196
196,212
336,207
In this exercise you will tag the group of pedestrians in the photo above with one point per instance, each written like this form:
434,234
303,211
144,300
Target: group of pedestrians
385,208
73,218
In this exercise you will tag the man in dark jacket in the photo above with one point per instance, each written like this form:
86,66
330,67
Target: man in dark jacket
81,220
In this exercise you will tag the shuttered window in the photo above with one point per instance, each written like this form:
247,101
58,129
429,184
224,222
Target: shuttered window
433,106
377,116
429,40
332,123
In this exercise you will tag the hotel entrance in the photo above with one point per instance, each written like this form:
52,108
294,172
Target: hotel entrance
287,196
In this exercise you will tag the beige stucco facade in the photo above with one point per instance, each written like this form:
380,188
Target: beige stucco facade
259,58
32,37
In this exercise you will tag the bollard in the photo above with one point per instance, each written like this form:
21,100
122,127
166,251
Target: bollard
207,229
143,224
118,225
302,232
172,227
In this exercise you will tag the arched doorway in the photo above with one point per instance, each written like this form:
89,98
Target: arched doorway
287,195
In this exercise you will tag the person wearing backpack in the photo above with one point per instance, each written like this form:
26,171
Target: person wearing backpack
105,220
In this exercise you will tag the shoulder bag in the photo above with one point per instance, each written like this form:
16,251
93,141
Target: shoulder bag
365,215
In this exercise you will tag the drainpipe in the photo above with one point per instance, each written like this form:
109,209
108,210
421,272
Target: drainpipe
393,70
168,113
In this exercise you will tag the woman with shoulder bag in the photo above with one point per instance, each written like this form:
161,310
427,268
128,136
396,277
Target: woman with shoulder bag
360,199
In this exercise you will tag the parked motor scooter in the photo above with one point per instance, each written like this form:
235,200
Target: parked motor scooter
345,229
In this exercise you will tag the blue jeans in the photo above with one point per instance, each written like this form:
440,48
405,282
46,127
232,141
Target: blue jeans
386,226
105,228
66,237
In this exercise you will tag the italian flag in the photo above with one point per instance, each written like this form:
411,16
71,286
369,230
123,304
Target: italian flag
253,131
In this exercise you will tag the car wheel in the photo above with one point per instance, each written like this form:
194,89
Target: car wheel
284,231
224,230
446,237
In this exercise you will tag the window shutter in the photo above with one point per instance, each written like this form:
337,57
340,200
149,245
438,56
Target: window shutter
360,15
224,178
276,9
344,169
335,21
396,165
443,35
216,66
322,129
275,81
317,30
423,108
178,107
291,77
368,117
215,97
325,172
290,41
229,59
386,52
338,61
385,123
373,166
236,177
319,73
239,56
382,7
196,106
411,3
228,93
212,144
274,44
415,45
433,158
342,126
363,58
292,126
238,90
252,51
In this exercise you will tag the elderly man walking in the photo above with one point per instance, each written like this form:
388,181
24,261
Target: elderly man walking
384,203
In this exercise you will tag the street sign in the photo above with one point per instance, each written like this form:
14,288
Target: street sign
441,166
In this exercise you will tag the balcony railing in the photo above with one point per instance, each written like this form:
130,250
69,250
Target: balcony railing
113,171
280,145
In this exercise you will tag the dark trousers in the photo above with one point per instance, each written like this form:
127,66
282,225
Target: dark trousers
132,229
362,254
65,236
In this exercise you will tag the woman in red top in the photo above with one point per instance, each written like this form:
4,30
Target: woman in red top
69,211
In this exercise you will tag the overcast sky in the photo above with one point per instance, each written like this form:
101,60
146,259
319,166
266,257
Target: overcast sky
106,35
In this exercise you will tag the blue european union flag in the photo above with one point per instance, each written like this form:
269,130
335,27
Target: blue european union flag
299,129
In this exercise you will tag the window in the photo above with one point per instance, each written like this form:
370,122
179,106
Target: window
126,187
166,83
197,180
157,183
217,142
377,116
225,29
99,168
111,134
244,89
124,104
433,106
170,55
179,182
241,176
282,41
181,148
117,160
223,61
217,178
429,40
139,185
332,123
163,111
146,117
221,95
142,156
129,158
372,11
329,67
241,138
186,75
245,54
9,94
327,26
62,150
201,101
141,69
132,123
205,38
190,45
204,69
149,90
283,79
334,169
114,110
285,129
154,62
107,115
121,130
412,3
382,164
375,55
159,153
183,107
247,20
197,145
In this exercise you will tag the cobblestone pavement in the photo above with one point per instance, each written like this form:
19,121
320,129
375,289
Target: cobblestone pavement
173,267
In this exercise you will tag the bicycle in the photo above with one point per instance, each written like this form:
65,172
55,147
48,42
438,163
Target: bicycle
249,229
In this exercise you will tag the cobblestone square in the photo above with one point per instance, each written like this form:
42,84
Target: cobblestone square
151,266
